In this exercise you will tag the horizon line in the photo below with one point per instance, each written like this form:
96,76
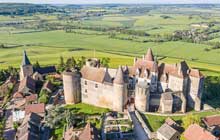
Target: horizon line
110,3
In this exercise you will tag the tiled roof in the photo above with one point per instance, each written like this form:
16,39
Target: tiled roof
89,133
149,55
195,132
35,108
18,95
195,73
167,131
94,74
119,78
212,120
27,82
31,98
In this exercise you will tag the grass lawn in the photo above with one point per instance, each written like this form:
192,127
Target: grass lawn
87,109
155,121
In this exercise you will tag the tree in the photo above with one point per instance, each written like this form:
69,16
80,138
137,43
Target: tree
70,63
36,65
190,119
81,62
61,64
44,96
105,61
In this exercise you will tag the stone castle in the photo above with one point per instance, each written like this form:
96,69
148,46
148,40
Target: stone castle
150,85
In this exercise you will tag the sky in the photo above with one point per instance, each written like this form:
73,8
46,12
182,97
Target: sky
112,1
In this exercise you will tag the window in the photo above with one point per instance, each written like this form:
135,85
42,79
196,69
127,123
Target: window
85,90
96,85
85,82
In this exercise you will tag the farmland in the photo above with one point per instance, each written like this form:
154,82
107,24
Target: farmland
111,32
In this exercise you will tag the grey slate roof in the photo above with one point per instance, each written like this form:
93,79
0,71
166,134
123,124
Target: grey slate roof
167,131
45,70
25,60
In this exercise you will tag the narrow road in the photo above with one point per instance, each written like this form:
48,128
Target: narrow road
138,129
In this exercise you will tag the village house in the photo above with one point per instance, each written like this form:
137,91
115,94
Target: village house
90,132
196,132
213,124
30,128
169,130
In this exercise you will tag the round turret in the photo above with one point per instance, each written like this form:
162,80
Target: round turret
71,85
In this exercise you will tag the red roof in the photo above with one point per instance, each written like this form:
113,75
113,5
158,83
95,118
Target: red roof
195,132
149,55
18,95
212,120
35,108
31,98
195,73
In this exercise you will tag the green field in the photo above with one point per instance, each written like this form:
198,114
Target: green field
47,47
45,38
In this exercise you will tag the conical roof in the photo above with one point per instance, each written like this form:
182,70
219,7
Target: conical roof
25,60
155,65
149,55
119,78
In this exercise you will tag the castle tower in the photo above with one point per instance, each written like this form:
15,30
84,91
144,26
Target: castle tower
72,87
26,69
154,76
120,91
149,55
142,95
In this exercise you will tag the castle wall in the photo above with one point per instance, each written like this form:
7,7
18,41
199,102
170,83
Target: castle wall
104,95
175,83
196,85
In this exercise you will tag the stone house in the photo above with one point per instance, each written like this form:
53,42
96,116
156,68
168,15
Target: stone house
27,86
166,132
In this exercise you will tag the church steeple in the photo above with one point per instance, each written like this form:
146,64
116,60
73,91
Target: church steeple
25,60
26,69
149,55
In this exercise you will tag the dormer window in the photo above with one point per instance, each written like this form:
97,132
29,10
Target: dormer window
96,85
